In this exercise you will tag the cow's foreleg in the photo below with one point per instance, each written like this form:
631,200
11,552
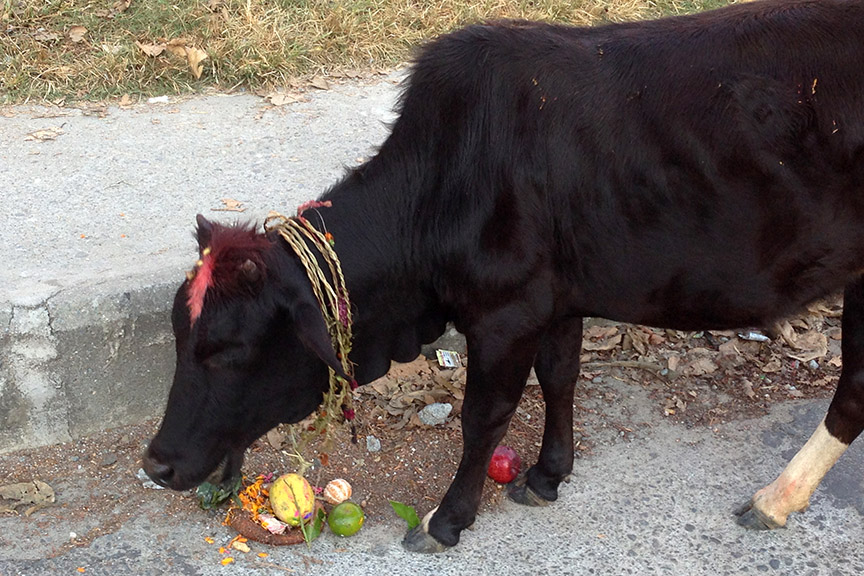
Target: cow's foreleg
791,491
497,371
557,368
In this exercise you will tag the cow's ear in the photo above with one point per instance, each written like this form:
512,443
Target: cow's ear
204,233
312,332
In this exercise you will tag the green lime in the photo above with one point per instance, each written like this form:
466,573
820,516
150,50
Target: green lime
346,519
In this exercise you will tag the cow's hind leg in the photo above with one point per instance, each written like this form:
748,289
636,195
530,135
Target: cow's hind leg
557,368
790,492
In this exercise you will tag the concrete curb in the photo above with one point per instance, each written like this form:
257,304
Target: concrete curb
84,360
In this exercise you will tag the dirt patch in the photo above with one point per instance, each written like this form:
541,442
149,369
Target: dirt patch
630,376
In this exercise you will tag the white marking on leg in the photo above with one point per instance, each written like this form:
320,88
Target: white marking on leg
425,522
791,491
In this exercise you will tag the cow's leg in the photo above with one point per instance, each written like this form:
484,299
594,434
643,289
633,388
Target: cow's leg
557,368
497,370
790,492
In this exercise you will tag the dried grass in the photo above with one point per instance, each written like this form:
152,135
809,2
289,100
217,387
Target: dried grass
250,43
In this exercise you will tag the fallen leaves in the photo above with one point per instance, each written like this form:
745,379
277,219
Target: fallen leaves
283,98
410,387
44,135
597,338
31,496
179,47
43,35
797,358
230,205
806,346
320,83
76,33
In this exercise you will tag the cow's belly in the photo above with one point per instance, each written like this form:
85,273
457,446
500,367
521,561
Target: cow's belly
721,283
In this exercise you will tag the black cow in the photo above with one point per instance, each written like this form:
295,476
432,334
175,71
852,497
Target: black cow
704,171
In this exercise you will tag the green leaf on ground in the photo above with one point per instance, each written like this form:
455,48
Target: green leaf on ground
407,513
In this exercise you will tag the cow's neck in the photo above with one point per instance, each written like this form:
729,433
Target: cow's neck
395,310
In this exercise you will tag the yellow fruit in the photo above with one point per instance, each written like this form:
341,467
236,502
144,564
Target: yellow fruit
337,491
292,499
346,519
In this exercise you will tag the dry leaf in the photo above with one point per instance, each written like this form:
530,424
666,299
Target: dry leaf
281,98
32,495
125,101
600,332
195,57
121,6
602,344
771,366
601,338
151,50
76,33
320,83
42,35
44,135
640,338
672,363
230,205
700,366
810,345
276,438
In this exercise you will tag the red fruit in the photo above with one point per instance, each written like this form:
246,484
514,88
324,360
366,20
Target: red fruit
505,465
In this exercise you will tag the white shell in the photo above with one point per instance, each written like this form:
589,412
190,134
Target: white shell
337,491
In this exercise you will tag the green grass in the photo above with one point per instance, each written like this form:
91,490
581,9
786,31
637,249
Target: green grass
257,44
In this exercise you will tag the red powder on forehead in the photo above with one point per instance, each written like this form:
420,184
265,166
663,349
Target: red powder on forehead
219,269
198,288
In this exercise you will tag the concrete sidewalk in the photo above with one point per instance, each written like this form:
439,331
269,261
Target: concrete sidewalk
98,215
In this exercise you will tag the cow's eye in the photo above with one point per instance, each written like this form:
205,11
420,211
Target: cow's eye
222,356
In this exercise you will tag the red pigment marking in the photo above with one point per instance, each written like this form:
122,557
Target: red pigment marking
198,288
312,204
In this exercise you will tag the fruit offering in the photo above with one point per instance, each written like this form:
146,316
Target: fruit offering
337,491
292,499
346,519
505,465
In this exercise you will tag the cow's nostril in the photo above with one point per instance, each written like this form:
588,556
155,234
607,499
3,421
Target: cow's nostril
157,471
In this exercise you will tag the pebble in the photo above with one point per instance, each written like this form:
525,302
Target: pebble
435,414
109,459
373,444
146,482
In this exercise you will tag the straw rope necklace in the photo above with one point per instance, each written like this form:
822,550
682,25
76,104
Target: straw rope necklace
332,296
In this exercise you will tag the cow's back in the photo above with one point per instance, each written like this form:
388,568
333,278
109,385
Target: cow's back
697,170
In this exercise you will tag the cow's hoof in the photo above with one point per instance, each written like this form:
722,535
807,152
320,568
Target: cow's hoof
751,518
419,540
520,492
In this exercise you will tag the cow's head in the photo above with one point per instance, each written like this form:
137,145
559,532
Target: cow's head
252,352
